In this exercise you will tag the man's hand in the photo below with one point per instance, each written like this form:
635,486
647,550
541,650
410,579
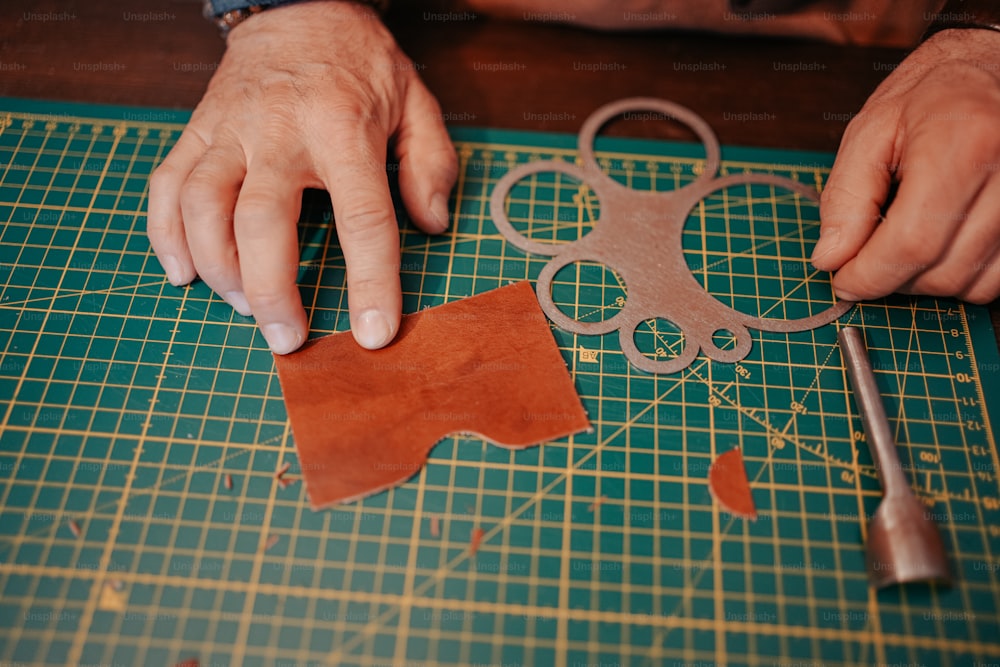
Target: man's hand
932,129
307,96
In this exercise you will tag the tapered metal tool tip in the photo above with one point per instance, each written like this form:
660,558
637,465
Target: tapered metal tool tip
904,545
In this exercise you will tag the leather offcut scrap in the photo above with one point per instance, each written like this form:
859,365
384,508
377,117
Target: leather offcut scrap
727,480
365,420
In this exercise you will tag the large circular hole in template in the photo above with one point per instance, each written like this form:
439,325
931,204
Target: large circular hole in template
659,339
749,246
552,207
588,291
625,153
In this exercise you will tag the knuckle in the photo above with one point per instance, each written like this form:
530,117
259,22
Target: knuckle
361,109
915,252
364,220
160,227
976,110
865,278
255,210
982,296
160,237
447,161
365,158
875,116
830,197
271,298
984,148
856,125
350,109
361,154
942,283
277,161
840,205
836,194
372,281
280,154
163,177
215,274
199,191
865,287
985,286
216,263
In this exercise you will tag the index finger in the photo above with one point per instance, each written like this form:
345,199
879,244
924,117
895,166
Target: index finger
852,199
164,221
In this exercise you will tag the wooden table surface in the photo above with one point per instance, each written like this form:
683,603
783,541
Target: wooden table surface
517,74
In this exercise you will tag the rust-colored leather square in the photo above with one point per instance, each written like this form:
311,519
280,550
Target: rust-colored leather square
365,420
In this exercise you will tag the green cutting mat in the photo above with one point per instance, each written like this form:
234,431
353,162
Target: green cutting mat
126,402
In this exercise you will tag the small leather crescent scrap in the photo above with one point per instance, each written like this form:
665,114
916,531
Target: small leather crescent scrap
727,480
365,420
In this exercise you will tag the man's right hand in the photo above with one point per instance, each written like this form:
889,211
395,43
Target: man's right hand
307,95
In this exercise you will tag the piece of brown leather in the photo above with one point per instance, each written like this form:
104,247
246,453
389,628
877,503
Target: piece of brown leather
727,480
364,420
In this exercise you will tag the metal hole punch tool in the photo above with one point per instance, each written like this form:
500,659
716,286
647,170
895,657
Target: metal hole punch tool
904,544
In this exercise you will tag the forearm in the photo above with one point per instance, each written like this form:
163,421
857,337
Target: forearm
884,22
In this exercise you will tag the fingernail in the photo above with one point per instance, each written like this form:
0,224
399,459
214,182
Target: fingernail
239,302
439,210
372,329
846,296
826,244
281,338
173,269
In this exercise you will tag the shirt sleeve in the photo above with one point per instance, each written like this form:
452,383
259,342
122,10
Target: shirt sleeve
220,7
